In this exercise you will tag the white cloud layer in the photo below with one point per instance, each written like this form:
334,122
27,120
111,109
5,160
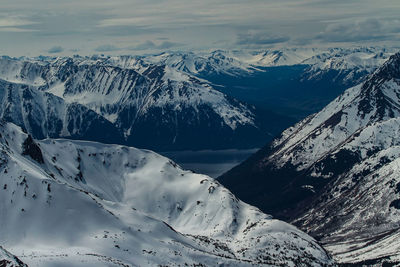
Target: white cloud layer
124,26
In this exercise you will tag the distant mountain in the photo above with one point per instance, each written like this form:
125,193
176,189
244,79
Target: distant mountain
79,203
217,62
335,174
152,106
298,82
345,66
240,62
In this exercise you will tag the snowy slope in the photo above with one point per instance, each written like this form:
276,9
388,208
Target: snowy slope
9,260
336,173
81,203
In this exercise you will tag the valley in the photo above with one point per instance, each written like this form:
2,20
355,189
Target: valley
209,162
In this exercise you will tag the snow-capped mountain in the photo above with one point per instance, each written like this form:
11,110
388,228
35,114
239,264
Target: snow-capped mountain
205,64
336,173
153,106
9,260
349,66
274,58
358,61
81,203
238,62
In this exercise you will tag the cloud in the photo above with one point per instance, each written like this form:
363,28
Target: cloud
55,50
107,48
252,38
150,45
194,25
363,30
136,21
15,24
15,29
144,46
167,45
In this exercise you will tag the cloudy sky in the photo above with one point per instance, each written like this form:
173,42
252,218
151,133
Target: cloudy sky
56,27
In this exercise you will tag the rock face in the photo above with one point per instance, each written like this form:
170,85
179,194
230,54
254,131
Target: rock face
81,203
141,104
335,174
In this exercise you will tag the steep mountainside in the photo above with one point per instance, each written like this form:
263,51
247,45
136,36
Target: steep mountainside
153,106
46,115
9,260
80,203
335,174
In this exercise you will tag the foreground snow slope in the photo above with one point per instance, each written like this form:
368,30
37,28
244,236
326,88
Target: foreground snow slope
336,173
88,204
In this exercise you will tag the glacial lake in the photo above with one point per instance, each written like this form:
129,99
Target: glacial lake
210,162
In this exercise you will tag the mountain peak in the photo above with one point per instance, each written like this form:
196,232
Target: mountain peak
380,91
388,71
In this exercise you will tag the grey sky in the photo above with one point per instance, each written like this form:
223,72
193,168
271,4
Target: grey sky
33,27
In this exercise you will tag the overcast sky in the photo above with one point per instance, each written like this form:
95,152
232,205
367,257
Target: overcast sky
65,27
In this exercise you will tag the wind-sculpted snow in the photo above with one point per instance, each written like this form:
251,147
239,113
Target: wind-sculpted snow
336,173
89,204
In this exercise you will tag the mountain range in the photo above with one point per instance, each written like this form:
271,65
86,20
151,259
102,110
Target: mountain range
165,101
156,108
